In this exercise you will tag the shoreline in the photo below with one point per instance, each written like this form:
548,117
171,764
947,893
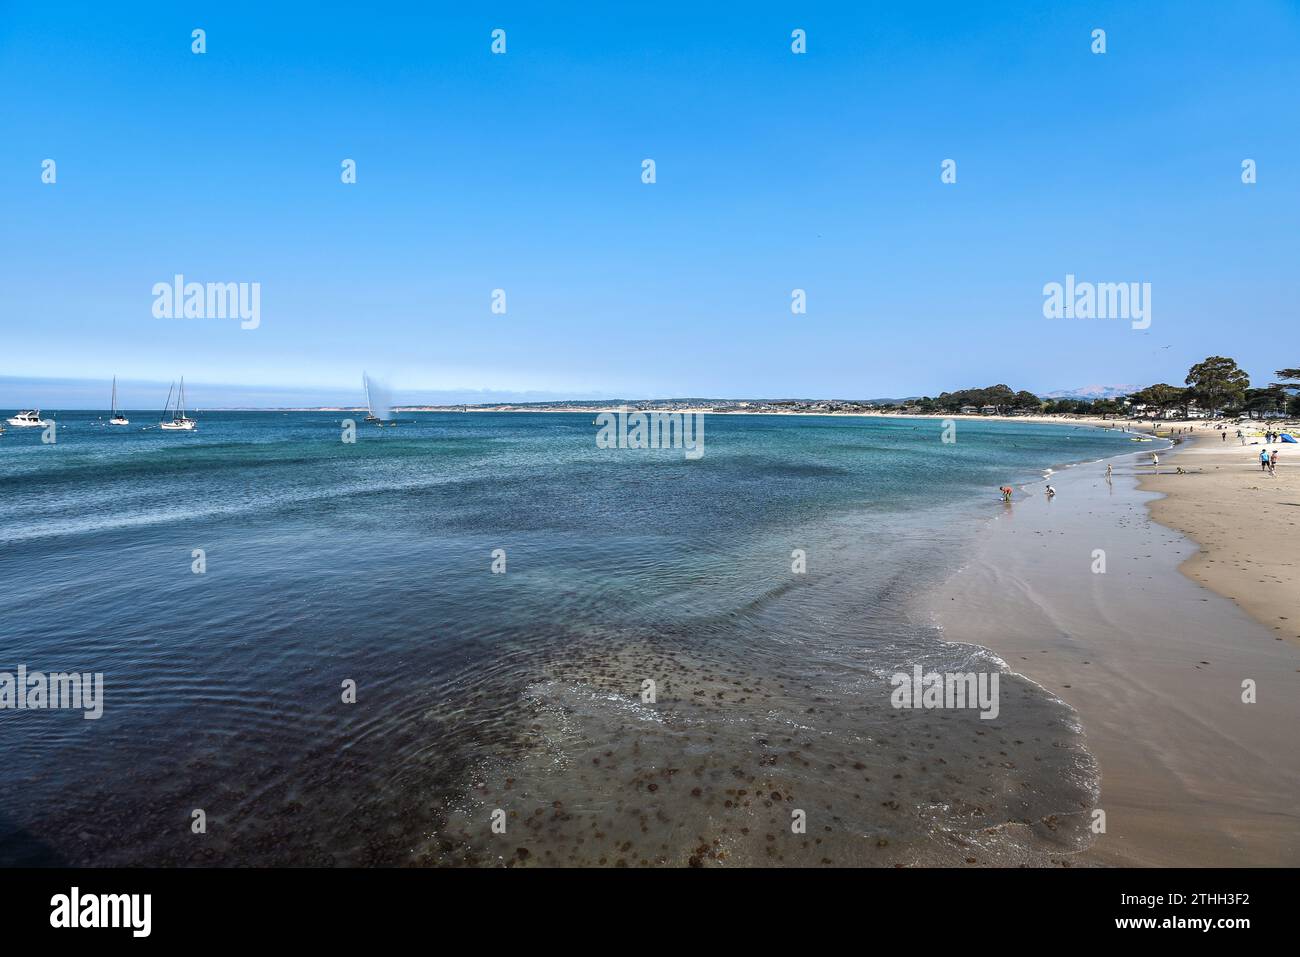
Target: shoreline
1058,419
1151,662
1246,523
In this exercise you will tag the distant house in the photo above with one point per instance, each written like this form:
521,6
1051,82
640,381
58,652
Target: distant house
969,410
988,410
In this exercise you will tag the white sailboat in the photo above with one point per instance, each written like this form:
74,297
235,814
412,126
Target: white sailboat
28,420
179,422
370,408
118,418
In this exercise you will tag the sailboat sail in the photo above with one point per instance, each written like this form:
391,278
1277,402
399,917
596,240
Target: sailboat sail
370,406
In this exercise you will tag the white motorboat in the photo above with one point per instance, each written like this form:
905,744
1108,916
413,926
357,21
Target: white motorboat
28,420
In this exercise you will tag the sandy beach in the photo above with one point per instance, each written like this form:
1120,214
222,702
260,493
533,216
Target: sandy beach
1154,665
1246,522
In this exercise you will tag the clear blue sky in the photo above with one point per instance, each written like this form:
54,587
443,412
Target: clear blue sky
522,172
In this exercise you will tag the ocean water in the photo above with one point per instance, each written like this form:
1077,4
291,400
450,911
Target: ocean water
519,692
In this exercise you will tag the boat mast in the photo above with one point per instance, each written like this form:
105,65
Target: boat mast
170,389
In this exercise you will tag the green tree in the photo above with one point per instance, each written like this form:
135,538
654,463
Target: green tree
1002,397
1027,401
1258,402
1162,397
1291,385
1217,382
1106,407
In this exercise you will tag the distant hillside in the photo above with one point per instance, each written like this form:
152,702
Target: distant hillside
1094,392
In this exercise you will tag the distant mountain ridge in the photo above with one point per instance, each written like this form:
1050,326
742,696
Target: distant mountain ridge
1093,392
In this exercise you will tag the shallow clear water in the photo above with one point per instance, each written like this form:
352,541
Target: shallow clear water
372,562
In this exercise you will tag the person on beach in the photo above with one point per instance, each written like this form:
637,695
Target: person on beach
1006,493
1263,460
1155,462
1108,471
1051,493
1272,463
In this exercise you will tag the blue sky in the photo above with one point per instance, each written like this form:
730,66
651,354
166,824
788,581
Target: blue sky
522,172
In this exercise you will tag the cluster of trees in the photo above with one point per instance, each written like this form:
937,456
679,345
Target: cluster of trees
1002,397
1219,385
1290,387
1216,385
1084,407
1003,400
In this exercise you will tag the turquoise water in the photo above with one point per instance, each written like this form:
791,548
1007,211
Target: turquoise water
372,562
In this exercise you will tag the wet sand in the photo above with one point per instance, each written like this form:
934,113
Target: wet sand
1153,664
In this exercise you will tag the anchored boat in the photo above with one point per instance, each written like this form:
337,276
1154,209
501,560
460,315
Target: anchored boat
118,418
179,421
28,420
